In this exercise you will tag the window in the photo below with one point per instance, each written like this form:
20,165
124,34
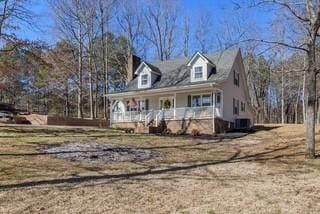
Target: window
144,79
198,74
206,100
243,107
142,105
235,106
236,78
218,99
201,100
196,101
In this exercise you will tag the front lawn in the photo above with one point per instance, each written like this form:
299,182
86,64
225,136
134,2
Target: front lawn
260,172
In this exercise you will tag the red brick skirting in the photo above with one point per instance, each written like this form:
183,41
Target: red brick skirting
204,126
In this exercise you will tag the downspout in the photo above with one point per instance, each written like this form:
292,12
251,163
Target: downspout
213,100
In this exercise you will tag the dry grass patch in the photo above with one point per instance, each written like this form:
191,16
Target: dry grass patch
261,172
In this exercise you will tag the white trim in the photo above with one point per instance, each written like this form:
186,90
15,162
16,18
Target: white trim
194,79
201,95
198,54
172,89
142,79
145,64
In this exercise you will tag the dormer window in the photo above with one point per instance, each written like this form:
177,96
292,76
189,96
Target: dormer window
198,73
147,75
200,67
144,79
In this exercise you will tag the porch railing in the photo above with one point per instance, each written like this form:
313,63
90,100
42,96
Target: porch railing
167,114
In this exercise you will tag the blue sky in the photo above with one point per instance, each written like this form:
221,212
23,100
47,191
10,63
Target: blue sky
221,10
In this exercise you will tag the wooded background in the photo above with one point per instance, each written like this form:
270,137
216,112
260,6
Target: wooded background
96,38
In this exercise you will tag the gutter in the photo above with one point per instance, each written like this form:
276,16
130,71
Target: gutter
162,90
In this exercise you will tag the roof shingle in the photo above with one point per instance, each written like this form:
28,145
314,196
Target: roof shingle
177,73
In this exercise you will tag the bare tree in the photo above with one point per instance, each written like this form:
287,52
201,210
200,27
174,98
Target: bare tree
305,17
203,34
70,20
130,19
161,18
13,13
104,17
186,36
91,29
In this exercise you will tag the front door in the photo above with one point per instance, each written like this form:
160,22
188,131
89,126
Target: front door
166,102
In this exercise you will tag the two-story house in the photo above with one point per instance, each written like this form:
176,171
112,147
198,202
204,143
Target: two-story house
207,92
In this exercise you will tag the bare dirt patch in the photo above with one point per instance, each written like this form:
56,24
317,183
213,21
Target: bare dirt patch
99,153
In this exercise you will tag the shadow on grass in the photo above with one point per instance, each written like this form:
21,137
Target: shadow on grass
258,128
54,130
234,158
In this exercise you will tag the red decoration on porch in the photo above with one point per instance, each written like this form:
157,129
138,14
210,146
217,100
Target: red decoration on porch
132,103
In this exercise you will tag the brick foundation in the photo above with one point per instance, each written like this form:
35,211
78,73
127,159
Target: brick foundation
204,126
221,126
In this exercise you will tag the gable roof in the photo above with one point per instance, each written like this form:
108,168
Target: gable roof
202,56
152,68
177,72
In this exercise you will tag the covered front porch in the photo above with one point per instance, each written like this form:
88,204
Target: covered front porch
158,106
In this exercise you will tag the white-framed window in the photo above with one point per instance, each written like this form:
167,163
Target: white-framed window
142,105
206,100
198,73
144,79
196,101
201,100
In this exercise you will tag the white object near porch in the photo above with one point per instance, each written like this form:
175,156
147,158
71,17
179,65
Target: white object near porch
204,112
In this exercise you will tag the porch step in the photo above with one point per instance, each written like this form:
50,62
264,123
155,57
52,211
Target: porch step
158,129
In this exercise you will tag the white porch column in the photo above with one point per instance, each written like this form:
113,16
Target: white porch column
175,106
221,105
213,104
140,113
111,113
213,110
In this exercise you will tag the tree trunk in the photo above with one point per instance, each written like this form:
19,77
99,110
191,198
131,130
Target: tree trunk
66,109
297,105
282,95
91,87
304,92
105,59
318,111
80,110
311,102
96,103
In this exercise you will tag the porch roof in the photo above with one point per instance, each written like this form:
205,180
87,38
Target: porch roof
166,90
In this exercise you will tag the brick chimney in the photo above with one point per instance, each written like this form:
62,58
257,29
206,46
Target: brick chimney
133,64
